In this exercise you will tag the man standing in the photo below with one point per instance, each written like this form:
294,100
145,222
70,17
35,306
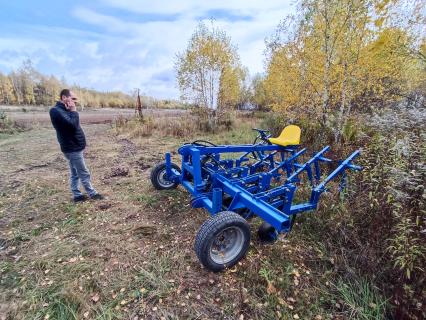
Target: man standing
65,120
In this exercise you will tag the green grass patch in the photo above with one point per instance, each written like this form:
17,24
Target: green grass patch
9,278
361,300
55,303
38,229
148,199
152,278
20,236
74,215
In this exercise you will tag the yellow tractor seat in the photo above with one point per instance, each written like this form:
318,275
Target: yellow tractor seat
290,136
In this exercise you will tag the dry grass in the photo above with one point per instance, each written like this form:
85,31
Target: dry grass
187,125
164,126
131,256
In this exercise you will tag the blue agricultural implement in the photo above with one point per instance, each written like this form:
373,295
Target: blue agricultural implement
237,182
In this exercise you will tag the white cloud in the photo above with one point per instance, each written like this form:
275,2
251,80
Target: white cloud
14,51
196,7
161,40
109,23
92,49
124,54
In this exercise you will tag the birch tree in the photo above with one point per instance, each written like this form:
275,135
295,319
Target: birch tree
209,73
339,56
6,90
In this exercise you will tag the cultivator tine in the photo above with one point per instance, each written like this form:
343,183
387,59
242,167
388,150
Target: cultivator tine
307,166
317,172
346,164
287,164
342,184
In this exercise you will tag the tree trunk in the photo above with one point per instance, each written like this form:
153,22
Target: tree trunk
327,53
340,125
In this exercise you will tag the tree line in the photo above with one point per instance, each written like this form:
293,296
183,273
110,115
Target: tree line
27,86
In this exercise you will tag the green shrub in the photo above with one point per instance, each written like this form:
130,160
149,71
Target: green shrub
275,122
350,131
7,125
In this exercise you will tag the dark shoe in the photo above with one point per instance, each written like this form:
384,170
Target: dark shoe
97,196
80,198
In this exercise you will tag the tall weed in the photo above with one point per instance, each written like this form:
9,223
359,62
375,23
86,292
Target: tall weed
379,229
361,300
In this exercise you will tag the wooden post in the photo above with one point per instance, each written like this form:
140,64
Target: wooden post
139,106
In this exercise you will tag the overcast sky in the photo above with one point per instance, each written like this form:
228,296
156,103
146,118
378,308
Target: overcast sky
126,44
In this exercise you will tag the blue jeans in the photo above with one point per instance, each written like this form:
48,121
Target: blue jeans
79,172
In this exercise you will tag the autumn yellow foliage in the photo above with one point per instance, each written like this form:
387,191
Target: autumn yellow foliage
341,56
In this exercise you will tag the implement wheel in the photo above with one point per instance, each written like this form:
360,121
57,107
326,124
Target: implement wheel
159,177
267,233
222,241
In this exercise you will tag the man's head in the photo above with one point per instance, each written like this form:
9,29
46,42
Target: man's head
68,98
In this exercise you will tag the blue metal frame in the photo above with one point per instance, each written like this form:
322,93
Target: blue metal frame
264,188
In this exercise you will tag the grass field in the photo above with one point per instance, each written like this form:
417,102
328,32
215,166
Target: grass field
131,256
39,115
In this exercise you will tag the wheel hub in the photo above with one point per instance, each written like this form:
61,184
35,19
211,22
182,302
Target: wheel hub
227,245
162,179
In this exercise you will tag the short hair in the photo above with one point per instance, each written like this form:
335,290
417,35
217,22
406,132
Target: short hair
64,92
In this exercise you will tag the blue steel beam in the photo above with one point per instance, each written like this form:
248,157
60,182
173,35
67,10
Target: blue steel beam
288,161
278,219
306,165
233,148
346,164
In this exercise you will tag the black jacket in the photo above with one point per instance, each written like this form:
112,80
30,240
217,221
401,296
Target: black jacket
68,130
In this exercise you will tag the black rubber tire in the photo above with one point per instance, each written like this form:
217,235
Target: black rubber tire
156,174
208,232
267,233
